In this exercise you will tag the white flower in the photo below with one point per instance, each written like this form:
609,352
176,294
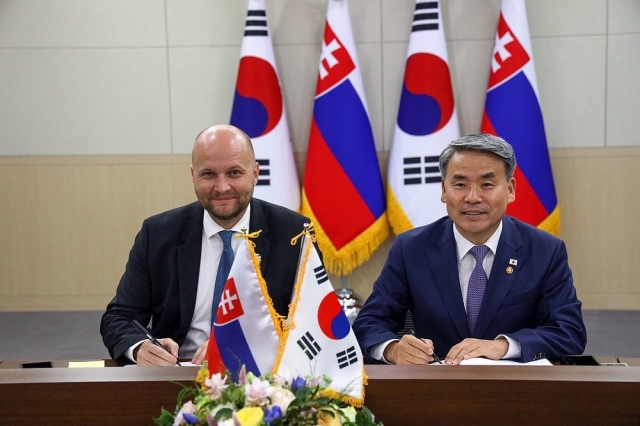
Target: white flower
217,408
216,384
189,408
228,422
282,398
349,413
256,392
284,376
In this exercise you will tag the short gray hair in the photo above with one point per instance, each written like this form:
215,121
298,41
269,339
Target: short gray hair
482,142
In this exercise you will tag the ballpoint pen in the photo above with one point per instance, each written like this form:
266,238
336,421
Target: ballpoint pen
436,360
153,340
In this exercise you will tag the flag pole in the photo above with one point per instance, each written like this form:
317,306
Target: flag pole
348,301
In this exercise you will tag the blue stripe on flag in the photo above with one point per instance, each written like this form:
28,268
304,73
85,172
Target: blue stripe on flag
344,124
234,349
516,116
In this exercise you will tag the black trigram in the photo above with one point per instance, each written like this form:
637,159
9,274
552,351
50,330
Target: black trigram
256,23
265,172
417,170
346,358
321,274
425,17
309,345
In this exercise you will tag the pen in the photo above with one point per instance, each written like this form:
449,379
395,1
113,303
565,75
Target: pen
155,341
435,357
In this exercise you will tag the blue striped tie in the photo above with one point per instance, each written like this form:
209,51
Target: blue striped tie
477,285
226,260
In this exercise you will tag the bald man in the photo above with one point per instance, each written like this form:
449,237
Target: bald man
170,275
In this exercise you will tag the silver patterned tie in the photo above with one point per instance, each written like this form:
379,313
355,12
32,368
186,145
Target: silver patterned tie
477,285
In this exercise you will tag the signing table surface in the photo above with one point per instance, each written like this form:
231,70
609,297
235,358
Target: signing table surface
396,395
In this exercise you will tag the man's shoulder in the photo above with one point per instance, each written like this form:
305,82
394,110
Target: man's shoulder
426,231
176,215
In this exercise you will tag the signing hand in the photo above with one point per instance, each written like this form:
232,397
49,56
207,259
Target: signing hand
147,354
201,352
473,348
409,351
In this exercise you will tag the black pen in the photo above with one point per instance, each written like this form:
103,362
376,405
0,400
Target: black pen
153,340
436,360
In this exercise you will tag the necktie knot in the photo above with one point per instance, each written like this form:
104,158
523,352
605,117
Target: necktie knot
479,252
226,259
226,238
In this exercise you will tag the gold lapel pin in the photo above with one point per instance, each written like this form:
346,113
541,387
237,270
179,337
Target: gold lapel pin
509,270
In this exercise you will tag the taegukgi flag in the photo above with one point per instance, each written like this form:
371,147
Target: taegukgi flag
427,122
342,187
258,109
318,339
513,112
246,330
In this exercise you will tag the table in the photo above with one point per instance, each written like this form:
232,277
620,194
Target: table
397,395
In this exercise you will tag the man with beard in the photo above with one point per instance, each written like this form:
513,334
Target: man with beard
169,277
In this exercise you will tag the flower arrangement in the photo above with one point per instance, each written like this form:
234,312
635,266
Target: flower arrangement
257,401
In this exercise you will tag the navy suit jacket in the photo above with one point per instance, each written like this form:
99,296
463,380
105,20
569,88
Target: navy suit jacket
161,277
536,304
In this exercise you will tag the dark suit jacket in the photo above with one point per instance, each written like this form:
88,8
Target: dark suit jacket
161,276
536,304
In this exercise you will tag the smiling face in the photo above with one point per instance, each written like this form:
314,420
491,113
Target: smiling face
224,172
476,191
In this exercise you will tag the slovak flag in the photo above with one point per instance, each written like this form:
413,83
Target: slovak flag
246,328
427,122
318,339
512,111
258,109
343,192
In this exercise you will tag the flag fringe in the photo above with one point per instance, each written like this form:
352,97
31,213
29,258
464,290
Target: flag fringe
551,223
398,219
356,252
288,323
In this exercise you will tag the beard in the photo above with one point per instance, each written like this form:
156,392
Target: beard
227,213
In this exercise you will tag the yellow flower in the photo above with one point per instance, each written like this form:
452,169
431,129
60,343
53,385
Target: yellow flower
250,416
326,419
203,374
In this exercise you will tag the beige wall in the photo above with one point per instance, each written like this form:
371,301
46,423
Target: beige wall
68,223
100,101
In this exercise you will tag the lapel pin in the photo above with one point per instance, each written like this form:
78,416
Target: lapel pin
513,262
509,270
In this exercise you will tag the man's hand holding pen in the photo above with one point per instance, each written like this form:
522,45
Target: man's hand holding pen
410,350
148,354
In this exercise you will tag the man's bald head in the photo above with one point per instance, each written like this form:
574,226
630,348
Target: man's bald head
217,132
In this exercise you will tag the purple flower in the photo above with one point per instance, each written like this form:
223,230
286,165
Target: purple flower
298,383
190,419
273,413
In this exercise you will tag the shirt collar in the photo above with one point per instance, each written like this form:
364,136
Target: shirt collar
211,227
463,245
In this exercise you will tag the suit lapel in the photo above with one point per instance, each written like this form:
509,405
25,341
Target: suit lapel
442,259
189,267
500,281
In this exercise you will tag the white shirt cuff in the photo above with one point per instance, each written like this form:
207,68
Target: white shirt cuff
514,350
377,351
129,352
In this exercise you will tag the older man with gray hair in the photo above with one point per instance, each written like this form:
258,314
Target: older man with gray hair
478,283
